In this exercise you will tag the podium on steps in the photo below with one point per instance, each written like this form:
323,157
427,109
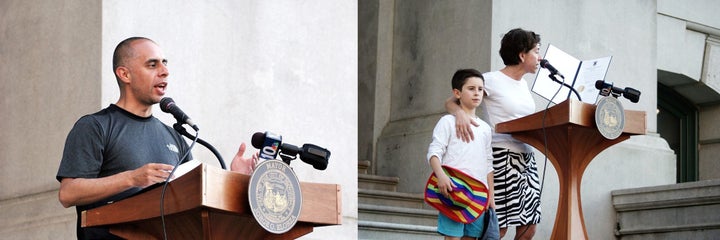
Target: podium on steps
573,140
210,203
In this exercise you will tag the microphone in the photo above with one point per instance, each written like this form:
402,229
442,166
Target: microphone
315,156
553,71
546,64
630,93
168,105
309,153
268,143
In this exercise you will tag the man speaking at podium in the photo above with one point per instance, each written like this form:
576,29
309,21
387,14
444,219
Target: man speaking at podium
116,152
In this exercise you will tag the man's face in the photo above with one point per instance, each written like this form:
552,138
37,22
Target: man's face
148,72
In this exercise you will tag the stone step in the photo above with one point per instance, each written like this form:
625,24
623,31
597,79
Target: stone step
375,182
385,230
678,211
391,198
400,215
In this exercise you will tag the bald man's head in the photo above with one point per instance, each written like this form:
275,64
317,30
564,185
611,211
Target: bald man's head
124,51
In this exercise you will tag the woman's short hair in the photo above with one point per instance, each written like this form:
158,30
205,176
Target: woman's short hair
517,41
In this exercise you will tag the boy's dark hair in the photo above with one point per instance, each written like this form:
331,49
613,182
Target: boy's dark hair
517,41
461,76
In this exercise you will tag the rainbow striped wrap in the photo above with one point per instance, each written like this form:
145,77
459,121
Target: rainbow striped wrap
467,201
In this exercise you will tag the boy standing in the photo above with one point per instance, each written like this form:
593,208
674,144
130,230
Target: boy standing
473,158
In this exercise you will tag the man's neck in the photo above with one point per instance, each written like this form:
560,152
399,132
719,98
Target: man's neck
135,107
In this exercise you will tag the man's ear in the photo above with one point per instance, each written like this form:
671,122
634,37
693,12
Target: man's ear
522,57
123,74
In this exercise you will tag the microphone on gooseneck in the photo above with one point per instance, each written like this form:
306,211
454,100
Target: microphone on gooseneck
168,105
546,64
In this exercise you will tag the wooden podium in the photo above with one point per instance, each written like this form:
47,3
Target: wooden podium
573,140
210,203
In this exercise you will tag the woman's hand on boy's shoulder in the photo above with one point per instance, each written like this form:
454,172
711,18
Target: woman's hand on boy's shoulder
463,126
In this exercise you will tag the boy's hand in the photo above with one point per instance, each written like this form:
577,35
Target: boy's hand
445,185
463,126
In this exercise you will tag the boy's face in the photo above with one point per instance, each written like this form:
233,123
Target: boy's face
471,94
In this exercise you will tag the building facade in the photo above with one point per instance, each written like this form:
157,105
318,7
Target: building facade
666,49
236,67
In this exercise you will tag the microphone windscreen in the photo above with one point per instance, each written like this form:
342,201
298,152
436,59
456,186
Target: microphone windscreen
632,94
599,84
166,103
258,139
543,63
315,155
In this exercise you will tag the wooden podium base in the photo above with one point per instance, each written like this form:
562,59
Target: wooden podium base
572,142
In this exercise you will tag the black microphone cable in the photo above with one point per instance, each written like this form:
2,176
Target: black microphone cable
572,89
167,181
546,64
180,129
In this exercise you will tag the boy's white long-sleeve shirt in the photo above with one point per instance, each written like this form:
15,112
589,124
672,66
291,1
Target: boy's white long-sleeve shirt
473,158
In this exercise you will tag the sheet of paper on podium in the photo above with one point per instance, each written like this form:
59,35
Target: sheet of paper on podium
184,168
582,75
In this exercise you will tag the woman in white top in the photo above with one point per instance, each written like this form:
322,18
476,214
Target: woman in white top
517,186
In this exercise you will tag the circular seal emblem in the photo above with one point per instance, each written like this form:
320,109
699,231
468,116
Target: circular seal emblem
275,197
610,117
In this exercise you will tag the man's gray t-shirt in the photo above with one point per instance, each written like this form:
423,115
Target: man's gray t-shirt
112,141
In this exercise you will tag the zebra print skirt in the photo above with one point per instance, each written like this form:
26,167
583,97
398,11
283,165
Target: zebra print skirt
517,188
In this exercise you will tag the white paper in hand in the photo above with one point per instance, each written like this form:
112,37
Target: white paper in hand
185,168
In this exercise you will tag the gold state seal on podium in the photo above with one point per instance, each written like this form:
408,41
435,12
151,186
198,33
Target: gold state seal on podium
275,197
610,117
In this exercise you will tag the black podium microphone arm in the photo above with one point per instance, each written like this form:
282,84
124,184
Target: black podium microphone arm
180,129
552,76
